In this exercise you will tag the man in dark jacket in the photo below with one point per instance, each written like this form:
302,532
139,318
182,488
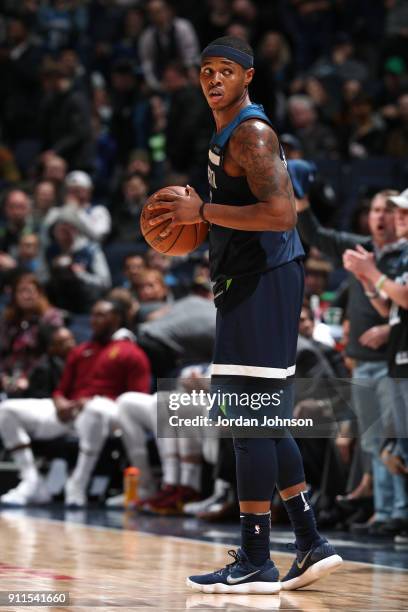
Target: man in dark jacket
66,120
20,88
367,346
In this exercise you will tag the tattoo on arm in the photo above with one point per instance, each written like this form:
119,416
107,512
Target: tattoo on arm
255,148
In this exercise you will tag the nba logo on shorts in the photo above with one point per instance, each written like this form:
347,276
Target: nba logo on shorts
257,530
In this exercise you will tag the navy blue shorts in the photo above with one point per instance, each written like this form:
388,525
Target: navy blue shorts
256,334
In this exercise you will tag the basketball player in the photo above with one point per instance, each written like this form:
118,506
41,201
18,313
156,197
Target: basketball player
255,261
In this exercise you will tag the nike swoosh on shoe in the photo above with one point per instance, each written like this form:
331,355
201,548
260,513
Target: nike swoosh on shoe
231,580
301,564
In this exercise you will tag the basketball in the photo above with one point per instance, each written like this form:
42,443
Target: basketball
182,240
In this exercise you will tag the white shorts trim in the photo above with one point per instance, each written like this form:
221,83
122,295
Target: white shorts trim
229,369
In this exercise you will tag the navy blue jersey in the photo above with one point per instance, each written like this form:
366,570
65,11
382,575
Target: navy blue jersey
235,253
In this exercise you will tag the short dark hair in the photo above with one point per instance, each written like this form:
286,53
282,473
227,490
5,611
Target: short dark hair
131,256
235,43
118,308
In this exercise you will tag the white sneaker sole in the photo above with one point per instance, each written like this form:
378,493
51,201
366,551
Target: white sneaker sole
266,588
314,572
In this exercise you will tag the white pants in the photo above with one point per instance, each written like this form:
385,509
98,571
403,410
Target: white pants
137,416
23,420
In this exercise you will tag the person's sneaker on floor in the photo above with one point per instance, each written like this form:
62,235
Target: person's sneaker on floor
75,496
223,493
240,576
29,491
311,565
173,504
166,490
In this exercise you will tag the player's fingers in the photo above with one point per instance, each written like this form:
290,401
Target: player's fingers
160,218
164,196
166,232
159,204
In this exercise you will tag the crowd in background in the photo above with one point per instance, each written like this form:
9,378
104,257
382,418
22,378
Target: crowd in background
100,105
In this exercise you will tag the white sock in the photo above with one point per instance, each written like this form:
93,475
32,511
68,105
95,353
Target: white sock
171,467
84,467
24,459
191,475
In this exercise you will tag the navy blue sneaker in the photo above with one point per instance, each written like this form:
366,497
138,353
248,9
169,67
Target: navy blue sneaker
311,565
240,576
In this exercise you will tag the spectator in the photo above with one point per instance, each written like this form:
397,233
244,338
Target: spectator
95,218
130,305
316,276
166,40
46,374
390,298
130,124
397,138
134,267
28,254
367,344
184,334
311,26
17,220
151,292
44,200
127,45
341,65
213,20
19,78
61,23
71,65
396,28
188,124
273,71
126,213
65,120
317,140
367,129
55,170
320,400
77,271
23,321
392,87
95,373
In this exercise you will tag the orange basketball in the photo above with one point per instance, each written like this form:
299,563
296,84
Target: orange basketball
182,240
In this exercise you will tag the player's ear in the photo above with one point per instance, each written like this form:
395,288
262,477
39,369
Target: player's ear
249,75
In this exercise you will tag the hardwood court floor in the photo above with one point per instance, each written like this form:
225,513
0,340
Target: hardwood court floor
107,569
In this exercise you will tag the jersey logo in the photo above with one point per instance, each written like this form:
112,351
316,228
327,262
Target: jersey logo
114,352
211,178
215,159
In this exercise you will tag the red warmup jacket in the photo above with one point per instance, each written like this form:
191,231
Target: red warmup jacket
104,369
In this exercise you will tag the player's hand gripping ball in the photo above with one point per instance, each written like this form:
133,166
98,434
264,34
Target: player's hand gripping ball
180,231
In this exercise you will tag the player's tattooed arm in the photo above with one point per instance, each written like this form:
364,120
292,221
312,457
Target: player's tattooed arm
255,148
